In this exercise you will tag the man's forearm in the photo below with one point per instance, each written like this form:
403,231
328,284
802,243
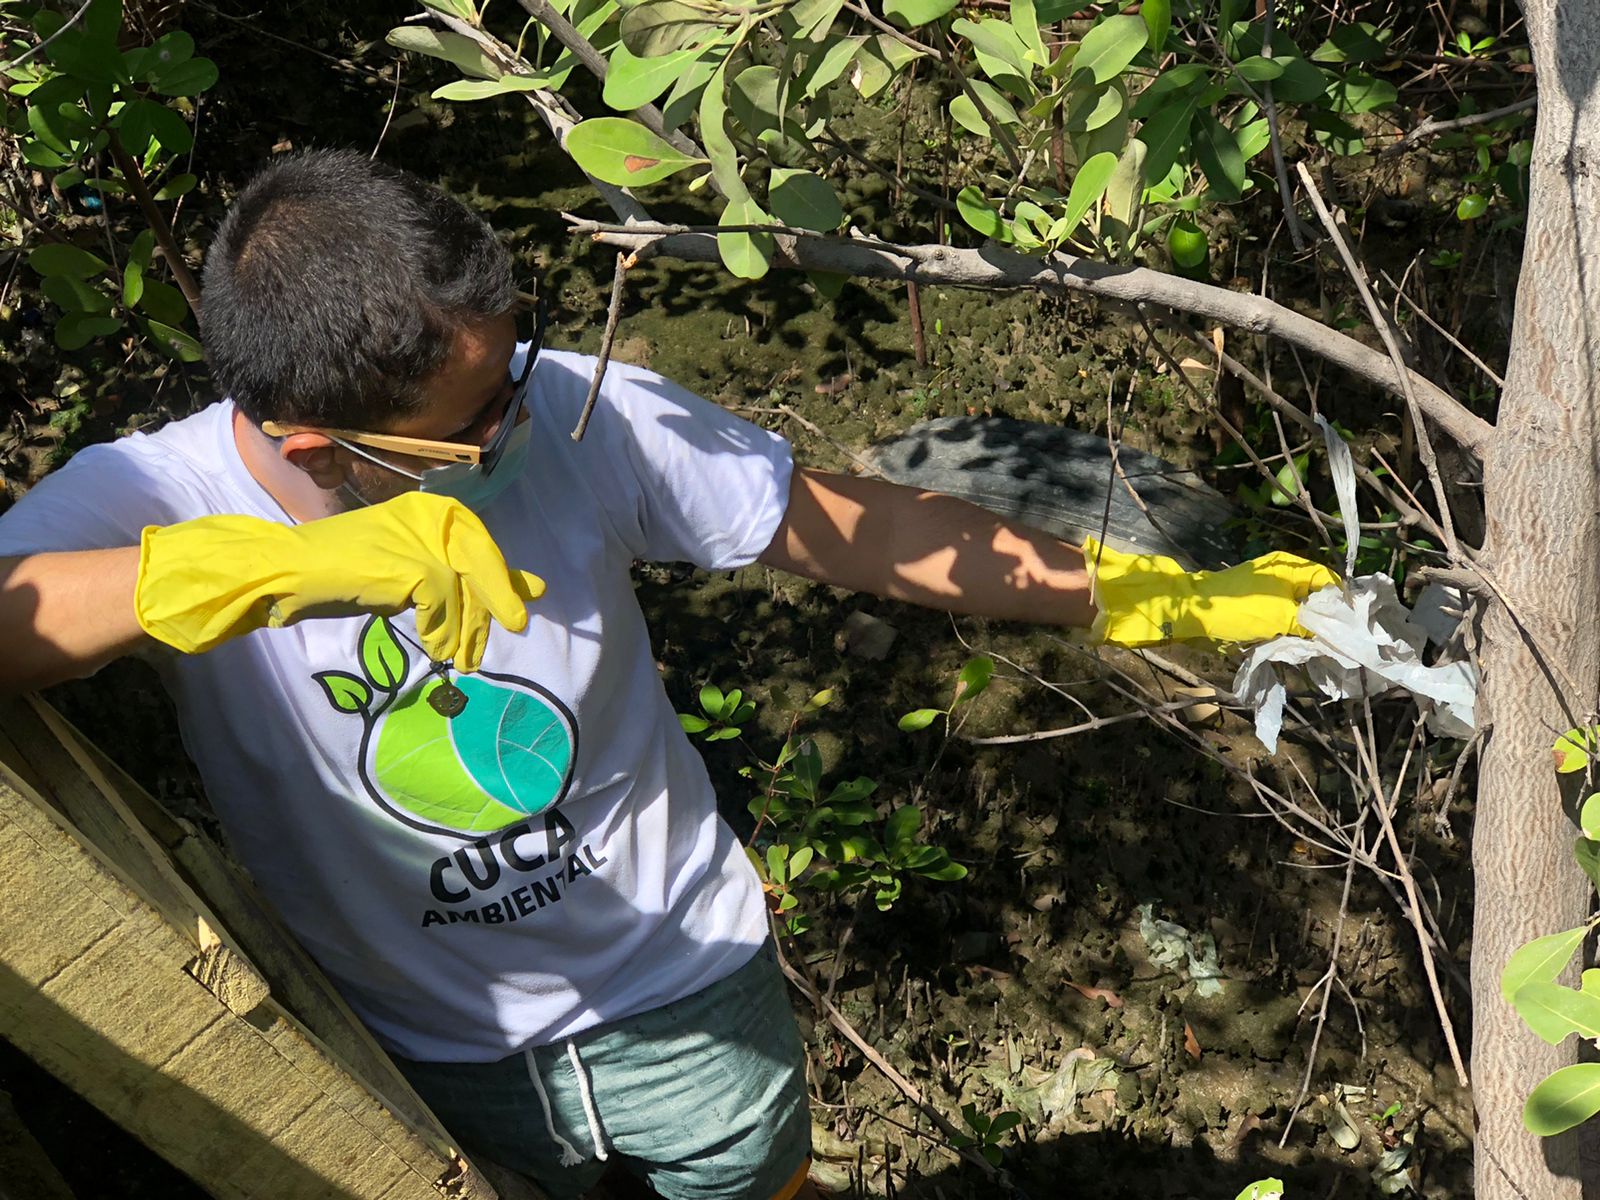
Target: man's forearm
872,536
66,615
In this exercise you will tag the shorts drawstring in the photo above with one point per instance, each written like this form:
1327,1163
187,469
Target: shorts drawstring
570,1156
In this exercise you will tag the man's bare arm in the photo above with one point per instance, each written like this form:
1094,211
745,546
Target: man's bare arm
66,615
872,536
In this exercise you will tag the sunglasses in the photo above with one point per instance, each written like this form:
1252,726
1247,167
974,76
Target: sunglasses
469,453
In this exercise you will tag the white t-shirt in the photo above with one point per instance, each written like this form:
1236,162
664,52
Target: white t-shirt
551,858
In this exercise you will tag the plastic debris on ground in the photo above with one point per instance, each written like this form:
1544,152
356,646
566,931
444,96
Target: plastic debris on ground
1364,641
1171,945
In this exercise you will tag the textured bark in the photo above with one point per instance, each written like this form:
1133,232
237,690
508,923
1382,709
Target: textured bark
1543,499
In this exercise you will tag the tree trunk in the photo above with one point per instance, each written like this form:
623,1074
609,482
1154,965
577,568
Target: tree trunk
1542,492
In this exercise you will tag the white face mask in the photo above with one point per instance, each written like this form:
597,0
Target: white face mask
466,482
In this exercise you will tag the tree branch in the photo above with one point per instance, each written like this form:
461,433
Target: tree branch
583,50
1431,128
157,220
997,269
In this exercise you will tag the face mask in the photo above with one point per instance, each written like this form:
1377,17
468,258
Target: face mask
465,482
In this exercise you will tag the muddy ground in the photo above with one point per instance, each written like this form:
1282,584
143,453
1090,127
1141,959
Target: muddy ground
1028,986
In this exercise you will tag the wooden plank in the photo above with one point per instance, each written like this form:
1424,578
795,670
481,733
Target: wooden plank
92,986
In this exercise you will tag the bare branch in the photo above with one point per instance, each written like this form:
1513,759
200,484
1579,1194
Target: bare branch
1432,128
1380,319
998,269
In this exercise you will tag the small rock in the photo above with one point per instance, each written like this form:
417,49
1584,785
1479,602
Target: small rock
865,636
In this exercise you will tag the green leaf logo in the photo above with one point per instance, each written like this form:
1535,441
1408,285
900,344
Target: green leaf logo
344,691
383,658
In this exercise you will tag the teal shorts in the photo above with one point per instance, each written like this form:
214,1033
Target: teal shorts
704,1098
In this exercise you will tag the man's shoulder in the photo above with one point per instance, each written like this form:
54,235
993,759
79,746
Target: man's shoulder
184,455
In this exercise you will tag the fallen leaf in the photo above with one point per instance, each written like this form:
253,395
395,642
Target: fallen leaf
1096,993
835,385
1342,1127
1191,1044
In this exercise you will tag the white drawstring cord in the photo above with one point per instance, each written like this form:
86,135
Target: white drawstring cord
569,1153
570,1156
588,1101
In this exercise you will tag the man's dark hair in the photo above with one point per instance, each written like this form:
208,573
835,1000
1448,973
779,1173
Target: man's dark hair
335,287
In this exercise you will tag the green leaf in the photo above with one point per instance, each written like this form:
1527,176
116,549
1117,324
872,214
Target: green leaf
166,52
1091,108
1285,486
1555,1012
1589,817
1167,86
456,8
997,40
452,47
920,719
1157,16
163,302
1127,185
832,63
660,27
76,295
711,699
1088,185
623,152
965,114
1165,134
61,258
1110,46
1219,157
714,137
1591,981
812,19
777,863
1300,83
142,121
187,78
900,830
1540,961
800,860
1353,43
1260,70
804,200
976,672
871,72
908,14
76,330
1253,138
1334,133
948,872
632,82
485,89
383,658
1472,206
747,255
977,212
181,345
178,185
754,99
684,98
1358,92
821,700
1588,855
693,724
344,691
1572,749
133,275
1025,20
1262,1189
1566,1098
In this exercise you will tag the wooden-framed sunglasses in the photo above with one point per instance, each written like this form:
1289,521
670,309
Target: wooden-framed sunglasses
449,452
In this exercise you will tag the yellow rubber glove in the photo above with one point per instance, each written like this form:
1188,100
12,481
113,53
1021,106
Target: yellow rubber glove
1145,599
204,581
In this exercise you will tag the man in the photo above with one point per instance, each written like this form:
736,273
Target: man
414,677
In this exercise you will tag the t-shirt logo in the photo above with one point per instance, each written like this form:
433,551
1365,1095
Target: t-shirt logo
505,756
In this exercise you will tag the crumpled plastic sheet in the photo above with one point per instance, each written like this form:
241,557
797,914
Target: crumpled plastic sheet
1364,643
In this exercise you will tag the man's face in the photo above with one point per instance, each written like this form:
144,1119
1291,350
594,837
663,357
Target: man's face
463,401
